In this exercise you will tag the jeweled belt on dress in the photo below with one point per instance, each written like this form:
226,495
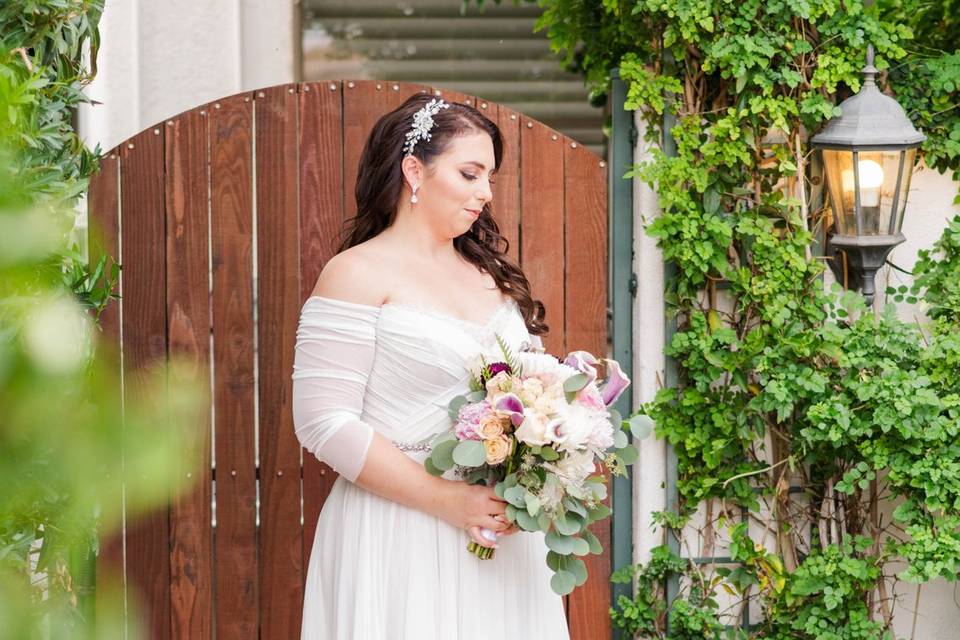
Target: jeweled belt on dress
414,446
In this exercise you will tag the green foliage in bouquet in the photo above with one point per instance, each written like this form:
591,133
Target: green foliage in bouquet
782,382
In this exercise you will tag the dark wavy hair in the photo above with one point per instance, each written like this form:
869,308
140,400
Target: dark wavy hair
380,183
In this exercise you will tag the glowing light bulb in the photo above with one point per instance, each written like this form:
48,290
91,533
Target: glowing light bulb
871,178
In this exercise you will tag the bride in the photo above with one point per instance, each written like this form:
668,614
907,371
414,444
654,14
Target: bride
421,284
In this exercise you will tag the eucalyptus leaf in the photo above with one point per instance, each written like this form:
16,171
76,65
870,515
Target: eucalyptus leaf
578,568
526,521
442,454
641,426
628,454
454,407
580,547
568,524
533,503
593,541
470,453
563,582
515,496
431,468
620,439
575,383
558,543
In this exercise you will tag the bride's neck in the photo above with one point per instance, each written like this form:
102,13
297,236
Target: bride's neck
414,234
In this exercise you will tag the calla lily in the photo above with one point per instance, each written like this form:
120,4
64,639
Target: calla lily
511,403
583,362
617,382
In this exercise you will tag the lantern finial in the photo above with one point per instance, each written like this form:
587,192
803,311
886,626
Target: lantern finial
869,71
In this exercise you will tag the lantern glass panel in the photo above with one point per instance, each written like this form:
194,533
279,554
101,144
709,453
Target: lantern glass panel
909,155
876,174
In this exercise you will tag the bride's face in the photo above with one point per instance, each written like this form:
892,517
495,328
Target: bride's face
457,185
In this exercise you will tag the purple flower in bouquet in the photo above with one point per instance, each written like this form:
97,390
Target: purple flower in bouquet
496,367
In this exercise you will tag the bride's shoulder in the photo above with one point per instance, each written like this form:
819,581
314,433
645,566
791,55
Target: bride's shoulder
353,275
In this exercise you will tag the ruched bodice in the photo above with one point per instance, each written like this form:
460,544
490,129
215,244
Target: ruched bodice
392,368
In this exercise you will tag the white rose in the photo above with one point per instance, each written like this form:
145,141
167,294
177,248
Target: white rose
533,429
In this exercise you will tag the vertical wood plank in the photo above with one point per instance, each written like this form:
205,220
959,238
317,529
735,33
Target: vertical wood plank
103,212
231,210
322,166
278,303
585,210
542,240
188,322
363,104
506,190
144,327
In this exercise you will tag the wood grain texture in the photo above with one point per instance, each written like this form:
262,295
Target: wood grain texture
322,196
506,188
188,322
278,304
231,210
585,210
103,213
542,238
144,320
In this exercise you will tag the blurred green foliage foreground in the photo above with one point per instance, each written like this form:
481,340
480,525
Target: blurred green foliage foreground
70,427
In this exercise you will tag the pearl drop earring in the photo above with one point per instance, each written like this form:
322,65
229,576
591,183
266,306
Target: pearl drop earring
413,198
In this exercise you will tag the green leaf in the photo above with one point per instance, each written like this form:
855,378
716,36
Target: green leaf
580,547
533,503
454,407
563,582
549,454
469,453
431,468
578,568
553,561
515,496
620,439
628,454
559,543
593,541
526,521
442,454
575,382
567,524
641,426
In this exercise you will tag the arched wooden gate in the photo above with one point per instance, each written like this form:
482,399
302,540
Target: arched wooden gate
222,218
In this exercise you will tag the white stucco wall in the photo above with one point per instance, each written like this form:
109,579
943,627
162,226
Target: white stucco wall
928,211
158,59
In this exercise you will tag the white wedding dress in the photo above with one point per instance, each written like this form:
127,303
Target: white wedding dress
380,570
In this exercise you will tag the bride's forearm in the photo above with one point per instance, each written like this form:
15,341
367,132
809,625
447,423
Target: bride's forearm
390,473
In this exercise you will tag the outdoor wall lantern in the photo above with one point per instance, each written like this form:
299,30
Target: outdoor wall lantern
868,155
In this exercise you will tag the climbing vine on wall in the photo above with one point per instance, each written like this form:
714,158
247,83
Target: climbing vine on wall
795,404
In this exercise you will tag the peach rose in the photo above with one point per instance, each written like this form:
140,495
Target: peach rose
498,449
491,427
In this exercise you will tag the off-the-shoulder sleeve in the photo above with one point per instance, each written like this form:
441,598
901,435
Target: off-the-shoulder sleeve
336,341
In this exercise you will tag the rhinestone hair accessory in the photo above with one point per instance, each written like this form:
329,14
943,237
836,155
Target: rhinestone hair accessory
422,123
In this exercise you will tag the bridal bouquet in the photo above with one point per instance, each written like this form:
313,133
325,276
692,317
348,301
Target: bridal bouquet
536,427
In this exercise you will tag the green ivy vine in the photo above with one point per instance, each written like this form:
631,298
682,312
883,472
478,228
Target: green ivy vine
795,404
